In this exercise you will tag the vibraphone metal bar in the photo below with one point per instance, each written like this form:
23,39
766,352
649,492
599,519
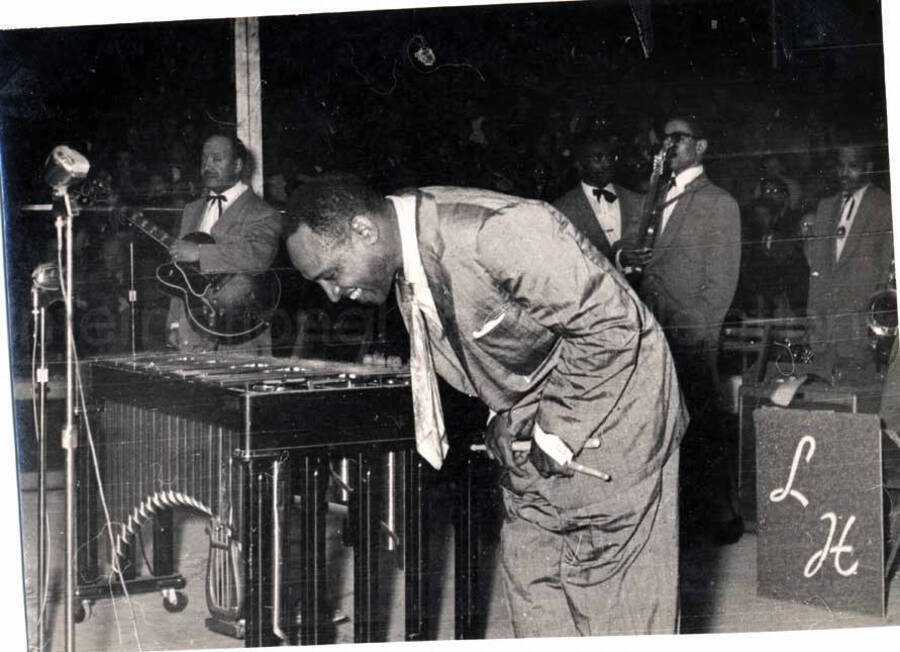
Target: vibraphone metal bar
257,428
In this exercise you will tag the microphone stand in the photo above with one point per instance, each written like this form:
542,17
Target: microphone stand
64,218
132,293
40,313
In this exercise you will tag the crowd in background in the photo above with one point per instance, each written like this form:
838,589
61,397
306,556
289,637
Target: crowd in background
772,153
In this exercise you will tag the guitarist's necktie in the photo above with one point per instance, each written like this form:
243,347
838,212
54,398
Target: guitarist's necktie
844,226
219,199
431,439
603,193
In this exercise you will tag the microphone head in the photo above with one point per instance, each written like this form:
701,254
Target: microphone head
65,165
45,277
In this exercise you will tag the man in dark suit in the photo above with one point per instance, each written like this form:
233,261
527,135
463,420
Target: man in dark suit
601,209
690,276
849,251
246,232
509,302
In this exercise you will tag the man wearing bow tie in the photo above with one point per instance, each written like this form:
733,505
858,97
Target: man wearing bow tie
849,252
246,232
598,207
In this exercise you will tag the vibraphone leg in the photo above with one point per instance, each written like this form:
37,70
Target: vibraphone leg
164,543
256,535
310,484
476,524
86,523
414,549
367,625
464,555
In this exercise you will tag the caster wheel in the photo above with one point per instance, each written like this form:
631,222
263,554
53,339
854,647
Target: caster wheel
81,610
174,601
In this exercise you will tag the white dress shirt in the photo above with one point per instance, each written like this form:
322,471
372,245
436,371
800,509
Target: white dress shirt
849,208
608,214
211,212
414,273
682,179
413,270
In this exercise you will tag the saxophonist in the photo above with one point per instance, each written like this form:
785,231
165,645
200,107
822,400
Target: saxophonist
690,273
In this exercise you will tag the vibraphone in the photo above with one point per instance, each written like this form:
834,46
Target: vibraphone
234,438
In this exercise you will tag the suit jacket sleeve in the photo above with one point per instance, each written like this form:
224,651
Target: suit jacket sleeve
572,291
253,249
811,243
189,218
722,240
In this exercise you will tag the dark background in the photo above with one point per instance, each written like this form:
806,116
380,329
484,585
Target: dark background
346,93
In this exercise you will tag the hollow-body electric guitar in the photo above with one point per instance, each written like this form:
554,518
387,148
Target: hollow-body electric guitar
226,305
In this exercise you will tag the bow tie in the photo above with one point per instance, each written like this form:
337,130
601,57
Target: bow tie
219,199
608,195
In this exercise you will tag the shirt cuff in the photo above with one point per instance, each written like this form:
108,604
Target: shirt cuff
552,445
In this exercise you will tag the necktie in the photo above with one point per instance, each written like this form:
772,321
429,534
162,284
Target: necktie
843,226
669,193
219,199
603,193
431,439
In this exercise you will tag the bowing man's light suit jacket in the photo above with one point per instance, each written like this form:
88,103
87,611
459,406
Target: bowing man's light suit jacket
247,238
547,330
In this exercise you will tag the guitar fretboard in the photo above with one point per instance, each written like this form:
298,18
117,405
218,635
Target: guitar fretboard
160,236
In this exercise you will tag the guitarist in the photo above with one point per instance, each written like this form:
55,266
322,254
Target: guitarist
246,231
600,209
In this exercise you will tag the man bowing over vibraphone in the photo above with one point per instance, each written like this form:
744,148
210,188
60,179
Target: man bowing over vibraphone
506,300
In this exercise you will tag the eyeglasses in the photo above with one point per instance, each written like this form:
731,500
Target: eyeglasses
679,136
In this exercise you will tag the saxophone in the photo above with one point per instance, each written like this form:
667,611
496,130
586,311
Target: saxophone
650,212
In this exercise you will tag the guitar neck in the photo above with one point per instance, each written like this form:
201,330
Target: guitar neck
157,234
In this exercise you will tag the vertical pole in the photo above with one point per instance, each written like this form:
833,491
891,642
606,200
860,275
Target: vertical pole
773,28
414,549
42,476
132,293
248,94
311,484
68,435
256,537
463,568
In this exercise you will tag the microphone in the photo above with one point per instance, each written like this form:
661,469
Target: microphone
63,166
45,284
46,277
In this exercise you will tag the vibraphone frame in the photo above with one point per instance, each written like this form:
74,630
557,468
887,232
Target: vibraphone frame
286,441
